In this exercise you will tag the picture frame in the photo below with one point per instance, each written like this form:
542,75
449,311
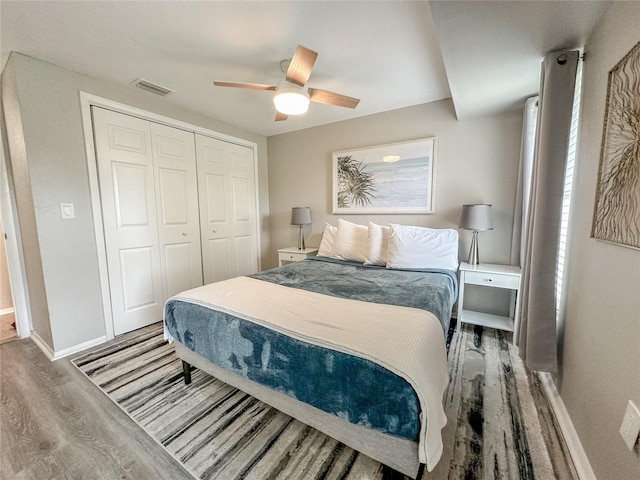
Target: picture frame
395,178
616,213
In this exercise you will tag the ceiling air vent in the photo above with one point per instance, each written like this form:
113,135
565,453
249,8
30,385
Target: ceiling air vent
151,87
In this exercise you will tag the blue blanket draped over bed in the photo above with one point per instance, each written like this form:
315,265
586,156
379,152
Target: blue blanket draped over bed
433,290
353,388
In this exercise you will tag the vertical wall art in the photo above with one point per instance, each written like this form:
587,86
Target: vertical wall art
616,216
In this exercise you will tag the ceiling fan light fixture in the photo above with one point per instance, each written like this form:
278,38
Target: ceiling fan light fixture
291,100
291,95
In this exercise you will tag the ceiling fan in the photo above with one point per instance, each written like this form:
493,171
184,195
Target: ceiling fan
291,97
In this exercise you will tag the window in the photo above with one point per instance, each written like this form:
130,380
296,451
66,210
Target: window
568,188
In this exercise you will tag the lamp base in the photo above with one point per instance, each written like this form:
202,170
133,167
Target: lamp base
474,258
301,240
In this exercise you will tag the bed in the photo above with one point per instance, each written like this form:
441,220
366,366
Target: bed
291,336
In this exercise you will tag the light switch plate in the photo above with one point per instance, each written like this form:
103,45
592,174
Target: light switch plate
630,427
67,211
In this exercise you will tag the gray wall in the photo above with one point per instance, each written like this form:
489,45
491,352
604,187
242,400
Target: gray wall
18,170
477,161
60,255
601,351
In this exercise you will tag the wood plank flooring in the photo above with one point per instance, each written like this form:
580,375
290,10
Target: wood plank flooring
55,424
7,327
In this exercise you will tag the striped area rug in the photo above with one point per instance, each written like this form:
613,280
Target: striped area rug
499,423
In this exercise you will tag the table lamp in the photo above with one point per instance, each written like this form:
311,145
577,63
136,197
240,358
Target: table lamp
475,217
301,216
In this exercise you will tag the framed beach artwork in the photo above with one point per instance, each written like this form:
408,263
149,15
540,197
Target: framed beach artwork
393,178
616,216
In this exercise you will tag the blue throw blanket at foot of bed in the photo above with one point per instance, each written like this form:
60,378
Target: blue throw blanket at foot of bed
353,388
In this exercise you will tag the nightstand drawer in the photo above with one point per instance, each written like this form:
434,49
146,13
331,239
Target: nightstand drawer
292,257
493,279
292,254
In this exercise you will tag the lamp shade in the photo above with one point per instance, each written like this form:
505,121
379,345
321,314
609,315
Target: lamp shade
300,216
476,217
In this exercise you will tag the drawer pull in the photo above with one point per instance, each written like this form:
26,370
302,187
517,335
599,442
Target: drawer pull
291,257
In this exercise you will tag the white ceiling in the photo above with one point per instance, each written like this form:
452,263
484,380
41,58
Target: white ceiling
492,49
387,53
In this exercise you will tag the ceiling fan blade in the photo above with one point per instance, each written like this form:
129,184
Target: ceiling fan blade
281,116
331,98
252,86
301,65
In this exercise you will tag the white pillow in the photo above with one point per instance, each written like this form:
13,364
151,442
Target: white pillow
328,240
351,242
420,247
378,240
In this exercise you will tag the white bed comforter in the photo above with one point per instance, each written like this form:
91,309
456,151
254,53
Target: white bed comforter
406,341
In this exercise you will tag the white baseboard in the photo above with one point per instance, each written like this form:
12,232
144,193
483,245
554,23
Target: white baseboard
578,455
78,348
46,349
57,355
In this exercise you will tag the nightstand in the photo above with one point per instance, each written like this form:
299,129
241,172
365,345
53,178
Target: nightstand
495,276
292,254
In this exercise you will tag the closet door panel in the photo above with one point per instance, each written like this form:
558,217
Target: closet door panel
244,208
125,172
128,136
131,195
211,152
241,201
139,274
178,213
179,264
219,258
245,255
174,206
227,208
215,228
215,197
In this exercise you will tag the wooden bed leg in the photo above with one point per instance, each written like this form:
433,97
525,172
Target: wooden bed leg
186,372
420,471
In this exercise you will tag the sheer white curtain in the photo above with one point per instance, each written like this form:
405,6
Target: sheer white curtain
523,192
536,334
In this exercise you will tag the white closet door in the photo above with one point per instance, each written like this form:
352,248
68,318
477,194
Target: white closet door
228,217
176,189
125,170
